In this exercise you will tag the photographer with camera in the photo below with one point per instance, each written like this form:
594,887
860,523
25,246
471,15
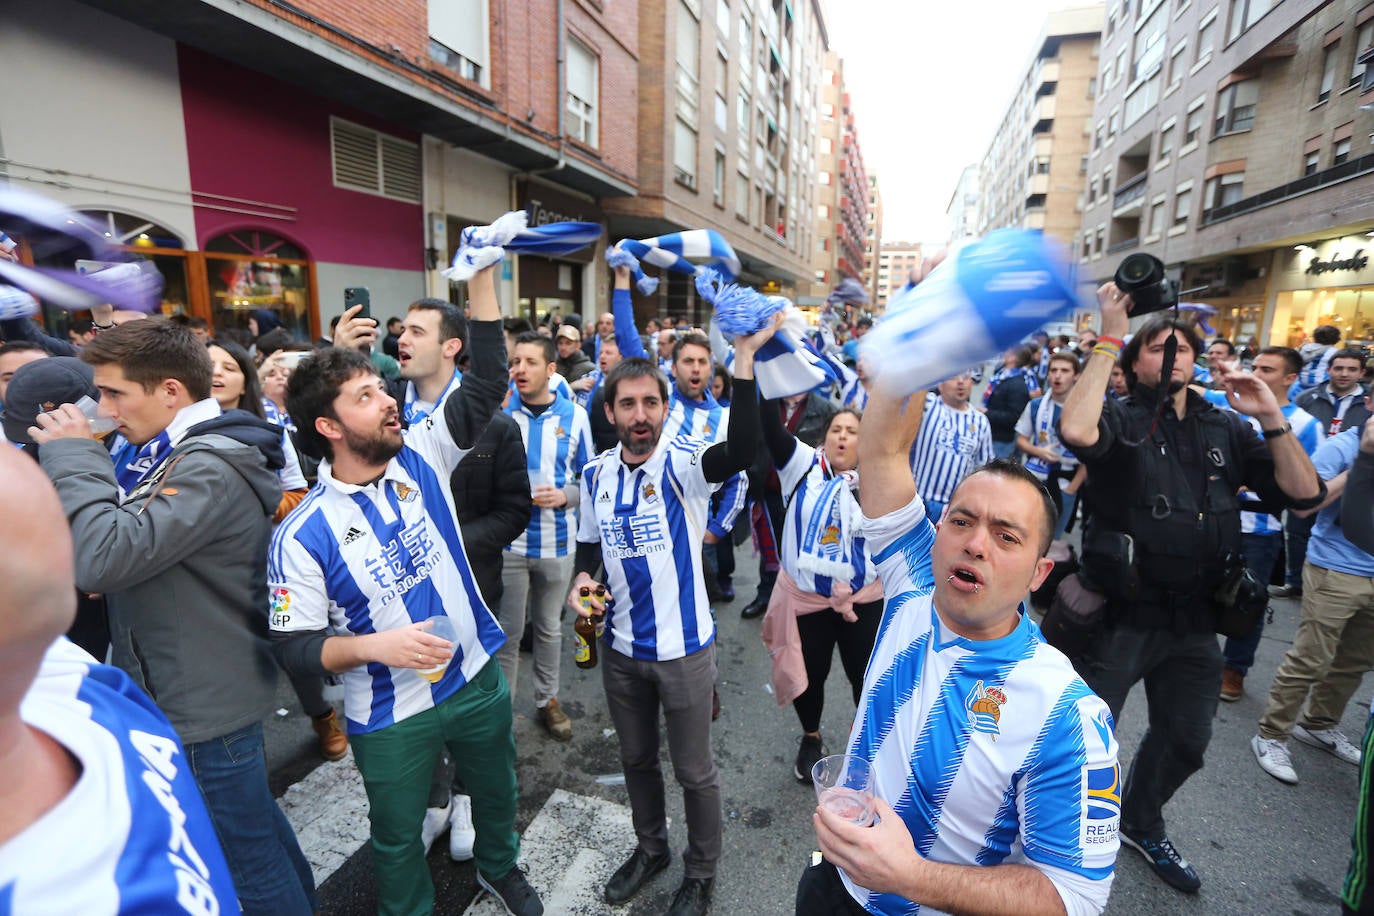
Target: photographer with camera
1163,542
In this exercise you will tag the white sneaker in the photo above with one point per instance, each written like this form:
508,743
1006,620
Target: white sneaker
1273,758
436,822
1331,740
461,833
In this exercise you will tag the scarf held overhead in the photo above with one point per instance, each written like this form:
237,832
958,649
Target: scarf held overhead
482,246
675,251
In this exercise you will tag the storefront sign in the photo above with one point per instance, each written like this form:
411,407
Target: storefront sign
1358,261
544,204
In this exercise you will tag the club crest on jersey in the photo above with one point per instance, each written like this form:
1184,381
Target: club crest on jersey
560,432
405,493
706,430
831,535
985,708
650,494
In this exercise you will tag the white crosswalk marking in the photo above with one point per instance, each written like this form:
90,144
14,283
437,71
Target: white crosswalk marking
328,811
569,852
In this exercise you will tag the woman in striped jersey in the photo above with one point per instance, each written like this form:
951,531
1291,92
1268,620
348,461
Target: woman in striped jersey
827,593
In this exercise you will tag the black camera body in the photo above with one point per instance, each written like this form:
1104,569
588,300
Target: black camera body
1142,276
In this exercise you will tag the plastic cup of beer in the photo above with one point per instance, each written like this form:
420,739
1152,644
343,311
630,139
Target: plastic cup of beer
844,786
441,627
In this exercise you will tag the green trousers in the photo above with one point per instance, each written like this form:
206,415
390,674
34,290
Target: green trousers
396,763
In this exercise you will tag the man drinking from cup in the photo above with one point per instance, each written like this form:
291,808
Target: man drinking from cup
994,768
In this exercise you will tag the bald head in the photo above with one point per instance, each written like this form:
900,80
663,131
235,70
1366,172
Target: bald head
38,602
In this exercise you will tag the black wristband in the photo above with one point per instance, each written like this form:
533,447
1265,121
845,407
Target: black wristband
1280,431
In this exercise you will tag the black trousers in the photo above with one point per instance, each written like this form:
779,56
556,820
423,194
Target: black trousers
821,633
821,893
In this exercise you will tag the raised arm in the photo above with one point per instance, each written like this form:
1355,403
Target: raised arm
1293,470
886,432
736,453
622,308
1078,426
469,409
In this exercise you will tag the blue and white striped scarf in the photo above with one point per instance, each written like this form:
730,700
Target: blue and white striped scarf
674,252
15,303
787,364
981,300
825,545
483,246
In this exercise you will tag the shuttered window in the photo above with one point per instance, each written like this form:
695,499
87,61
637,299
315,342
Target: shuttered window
373,162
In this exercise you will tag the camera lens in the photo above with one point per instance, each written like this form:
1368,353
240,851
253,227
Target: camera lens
1139,270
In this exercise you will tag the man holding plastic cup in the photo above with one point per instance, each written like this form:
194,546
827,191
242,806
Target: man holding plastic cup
994,769
374,553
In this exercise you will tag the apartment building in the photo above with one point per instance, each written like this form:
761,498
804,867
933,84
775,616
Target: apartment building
1232,141
728,111
873,243
896,261
961,216
268,155
841,189
1034,170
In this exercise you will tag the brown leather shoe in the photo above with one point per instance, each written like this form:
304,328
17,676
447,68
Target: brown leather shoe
333,741
1232,685
553,718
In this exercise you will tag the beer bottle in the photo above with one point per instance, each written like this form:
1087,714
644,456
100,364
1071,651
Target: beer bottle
604,596
584,632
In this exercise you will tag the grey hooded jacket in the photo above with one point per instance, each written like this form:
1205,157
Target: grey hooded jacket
183,563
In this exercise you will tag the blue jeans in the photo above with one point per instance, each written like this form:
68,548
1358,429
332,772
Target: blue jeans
270,872
1261,553
1004,449
1066,503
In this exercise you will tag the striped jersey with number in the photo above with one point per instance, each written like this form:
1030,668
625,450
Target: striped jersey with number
558,444
950,444
990,751
370,558
133,835
649,521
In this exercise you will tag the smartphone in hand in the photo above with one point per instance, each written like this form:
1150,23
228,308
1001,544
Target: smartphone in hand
359,295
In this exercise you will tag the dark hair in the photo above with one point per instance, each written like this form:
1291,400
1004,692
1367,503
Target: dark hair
392,320
251,399
20,346
1025,355
633,367
1014,470
1292,361
516,325
1230,347
152,350
80,326
452,322
720,372
1064,356
692,339
864,322
311,391
1327,334
1153,328
272,341
854,412
545,344
1354,353
196,323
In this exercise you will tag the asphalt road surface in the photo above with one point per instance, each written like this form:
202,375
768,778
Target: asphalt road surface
1259,845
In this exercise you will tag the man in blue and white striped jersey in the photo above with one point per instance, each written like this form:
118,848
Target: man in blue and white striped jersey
537,564
375,553
954,439
995,768
643,515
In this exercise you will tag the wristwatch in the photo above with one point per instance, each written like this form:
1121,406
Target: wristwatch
1280,431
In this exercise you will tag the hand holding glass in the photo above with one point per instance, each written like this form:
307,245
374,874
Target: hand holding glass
441,627
844,786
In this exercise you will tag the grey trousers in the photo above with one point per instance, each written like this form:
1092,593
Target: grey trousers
634,692
539,587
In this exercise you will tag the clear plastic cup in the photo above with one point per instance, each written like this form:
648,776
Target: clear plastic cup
844,786
441,627
100,426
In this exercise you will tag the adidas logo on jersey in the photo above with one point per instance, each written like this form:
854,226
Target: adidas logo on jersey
605,496
352,535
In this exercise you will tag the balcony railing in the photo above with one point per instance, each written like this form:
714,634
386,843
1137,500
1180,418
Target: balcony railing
1123,245
1304,185
1130,190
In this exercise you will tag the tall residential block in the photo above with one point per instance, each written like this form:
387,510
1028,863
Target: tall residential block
1233,142
873,243
896,261
961,216
1034,170
841,186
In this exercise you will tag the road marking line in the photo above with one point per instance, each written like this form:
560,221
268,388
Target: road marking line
328,811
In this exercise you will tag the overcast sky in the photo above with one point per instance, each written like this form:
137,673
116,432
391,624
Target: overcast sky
929,82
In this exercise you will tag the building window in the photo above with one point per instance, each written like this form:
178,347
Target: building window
827,146
1166,143
458,32
1092,87
1092,190
718,178
746,46
1113,124
688,63
1183,204
742,195
1340,152
1311,161
582,92
742,120
1176,65
1328,72
1236,107
1206,38
374,163
1363,39
1149,44
1193,125
1157,216
823,211
1223,190
723,18
684,153
1082,165
1101,239
1245,13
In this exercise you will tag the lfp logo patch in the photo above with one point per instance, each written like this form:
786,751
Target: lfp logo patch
281,608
